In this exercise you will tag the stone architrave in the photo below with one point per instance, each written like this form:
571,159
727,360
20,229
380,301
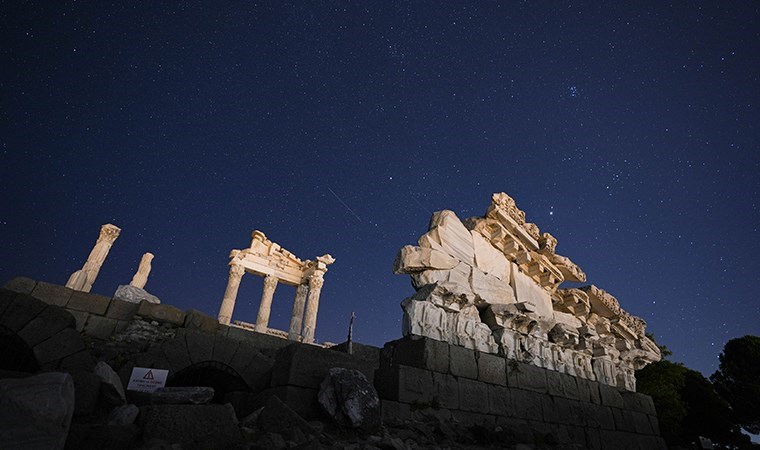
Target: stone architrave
278,266
84,278
265,307
230,294
491,283
141,276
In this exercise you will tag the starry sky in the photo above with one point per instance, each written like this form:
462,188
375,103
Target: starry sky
628,130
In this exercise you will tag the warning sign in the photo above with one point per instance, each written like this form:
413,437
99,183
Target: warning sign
146,379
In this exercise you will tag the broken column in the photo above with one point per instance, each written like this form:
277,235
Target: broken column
141,276
83,279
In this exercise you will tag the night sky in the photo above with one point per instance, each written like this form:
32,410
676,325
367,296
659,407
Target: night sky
628,130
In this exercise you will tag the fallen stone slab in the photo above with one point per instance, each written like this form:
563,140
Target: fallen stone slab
35,412
350,400
123,415
111,389
181,395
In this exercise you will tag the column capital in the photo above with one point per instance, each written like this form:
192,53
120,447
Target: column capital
109,233
270,281
236,270
316,280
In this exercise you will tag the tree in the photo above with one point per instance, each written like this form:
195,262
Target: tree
738,380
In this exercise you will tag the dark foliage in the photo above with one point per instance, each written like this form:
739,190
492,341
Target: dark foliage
738,380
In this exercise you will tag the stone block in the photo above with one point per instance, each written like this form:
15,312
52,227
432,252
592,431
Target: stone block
81,360
518,429
100,327
469,418
550,411
526,376
161,313
570,386
224,348
22,285
119,309
526,404
405,384
610,396
593,439
52,294
492,368
49,322
473,396
80,319
269,345
623,420
431,415
554,384
62,344
191,426
176,353
36,411
395,413
641,424
462,362
200,345
86,391
583,389
420,352
301,400
91,303
307,365
499,400
21,310
446,391
598,416
258,373
638,402
195,319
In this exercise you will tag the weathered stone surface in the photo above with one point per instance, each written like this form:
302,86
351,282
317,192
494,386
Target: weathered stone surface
526,404
490,260
490,290
526,376
81,360
21,284
52,294
307,365
445,391
112,389
473,396
610,396
395,413
278,418
195,319
499,400
21,310
180,395
86,392
100,327
462,362
200,345
134,294
35,412
123,415
405,384
62,344
224,348
121,310
161,313
420,352
49,322
350,400
80,318
492,369
176,353
447,233
91,303
412,259
192,426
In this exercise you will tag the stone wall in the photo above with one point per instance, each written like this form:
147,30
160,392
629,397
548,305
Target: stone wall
424,379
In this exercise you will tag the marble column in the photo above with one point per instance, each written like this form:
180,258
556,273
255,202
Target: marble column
141,276
296,320
312,305
230,294
83,279
265,308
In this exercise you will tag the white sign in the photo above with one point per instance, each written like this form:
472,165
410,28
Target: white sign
146,379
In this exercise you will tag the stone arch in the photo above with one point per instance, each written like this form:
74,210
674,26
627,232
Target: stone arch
223,378
47,331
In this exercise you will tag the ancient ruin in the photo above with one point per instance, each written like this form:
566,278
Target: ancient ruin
277,265
83,279
141,276
492,284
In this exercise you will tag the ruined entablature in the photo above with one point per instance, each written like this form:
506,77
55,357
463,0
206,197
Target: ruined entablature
492,283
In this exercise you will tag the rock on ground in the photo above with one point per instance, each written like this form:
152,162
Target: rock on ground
350,399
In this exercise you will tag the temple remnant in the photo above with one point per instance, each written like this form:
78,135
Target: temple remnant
492,284
83,279
141,276
277,265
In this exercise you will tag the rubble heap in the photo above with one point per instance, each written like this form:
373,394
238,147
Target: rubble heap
492,284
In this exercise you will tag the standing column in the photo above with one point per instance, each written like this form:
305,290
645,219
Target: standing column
230,294
310,319
265,308
296,320
83,279
141,276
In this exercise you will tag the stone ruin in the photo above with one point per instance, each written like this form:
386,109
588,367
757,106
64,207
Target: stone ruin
277,265
492,284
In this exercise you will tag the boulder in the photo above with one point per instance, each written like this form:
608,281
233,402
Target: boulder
131,294
35,412
350,400
111,389
123,415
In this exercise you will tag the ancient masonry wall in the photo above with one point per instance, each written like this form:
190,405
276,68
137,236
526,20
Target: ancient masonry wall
422,378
